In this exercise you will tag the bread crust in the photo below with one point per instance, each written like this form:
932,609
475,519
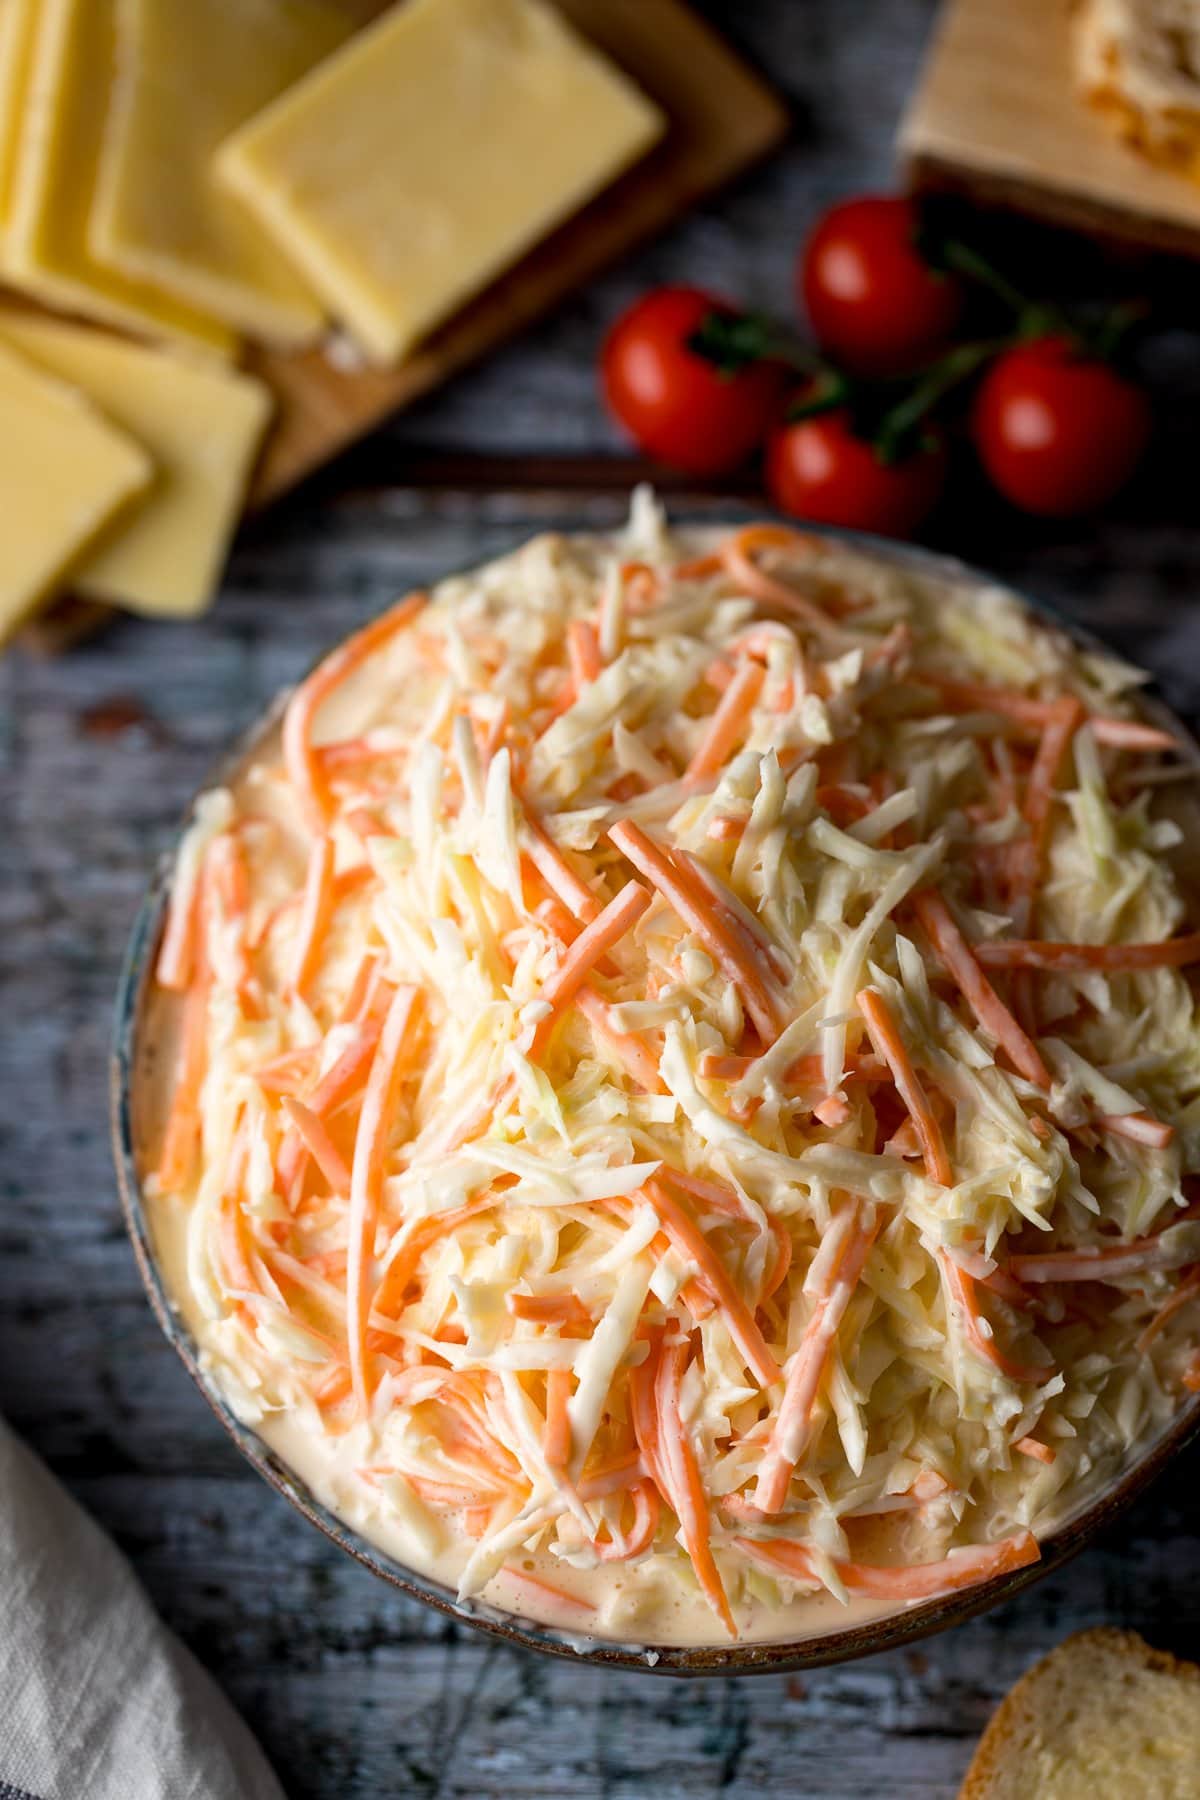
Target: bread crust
1004,1726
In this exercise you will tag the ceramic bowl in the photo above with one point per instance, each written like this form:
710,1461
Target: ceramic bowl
128,1072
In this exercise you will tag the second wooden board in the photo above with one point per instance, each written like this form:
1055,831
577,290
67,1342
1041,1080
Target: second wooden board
997,114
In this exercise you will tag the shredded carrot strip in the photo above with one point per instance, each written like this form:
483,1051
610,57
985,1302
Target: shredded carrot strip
914,1581
1190,1378
603,934
550,1309
1064,719
1130,734
1187,1290
1031,1446
366,1179
738,553
728,722
583,651
301,758
889,1045
1035,715
1016,953
315,913
1139,1128
319,1144
696,911
686,1492
557,872
1094,1264
792,1429
286,1074
521,1578
634,1055
962,1290
977,990
690,1242
556,1441
647,1511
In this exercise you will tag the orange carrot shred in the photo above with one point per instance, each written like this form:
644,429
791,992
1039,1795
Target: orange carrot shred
366,1179
907,1581
727,723
594,941
793,1422
696,911
677,1461
991,1012
889,1045
319,1144
315,913
303,763
583,651
962,1291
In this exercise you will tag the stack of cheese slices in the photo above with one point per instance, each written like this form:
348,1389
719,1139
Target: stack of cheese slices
196,174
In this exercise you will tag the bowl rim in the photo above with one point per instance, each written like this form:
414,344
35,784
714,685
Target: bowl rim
886,1632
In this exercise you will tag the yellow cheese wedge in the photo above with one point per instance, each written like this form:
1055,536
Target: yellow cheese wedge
66,474
46,251
201,423
17,21
430,152
188,73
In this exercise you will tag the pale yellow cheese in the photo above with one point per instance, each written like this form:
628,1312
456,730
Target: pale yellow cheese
430,152
18,19
46,251
66,474
188,73
201,423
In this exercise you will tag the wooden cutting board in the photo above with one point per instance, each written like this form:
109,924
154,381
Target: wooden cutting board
996,115
722,117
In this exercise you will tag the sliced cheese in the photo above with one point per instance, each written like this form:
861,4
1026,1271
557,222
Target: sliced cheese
47,247
202,424
188,73
66,474
430,152
17,21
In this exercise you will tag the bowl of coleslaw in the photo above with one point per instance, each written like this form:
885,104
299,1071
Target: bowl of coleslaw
658,1095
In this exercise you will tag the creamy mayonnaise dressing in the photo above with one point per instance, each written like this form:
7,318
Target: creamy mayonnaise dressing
1112,1400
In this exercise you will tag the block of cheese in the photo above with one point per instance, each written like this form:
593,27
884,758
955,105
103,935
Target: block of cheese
432,150
201,423
46,250
66,474
17,20
188,73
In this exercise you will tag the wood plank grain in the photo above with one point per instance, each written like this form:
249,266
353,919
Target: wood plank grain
997,115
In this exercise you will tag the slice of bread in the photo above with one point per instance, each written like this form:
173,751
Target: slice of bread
1103,1717
1139,62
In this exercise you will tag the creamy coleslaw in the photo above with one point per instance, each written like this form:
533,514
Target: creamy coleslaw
685,1078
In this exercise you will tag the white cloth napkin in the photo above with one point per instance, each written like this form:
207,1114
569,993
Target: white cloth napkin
98,1701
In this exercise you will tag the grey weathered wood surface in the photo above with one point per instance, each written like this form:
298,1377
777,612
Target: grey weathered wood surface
353,1691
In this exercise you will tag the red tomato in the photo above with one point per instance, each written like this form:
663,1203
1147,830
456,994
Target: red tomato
678,404
875,304
819,469
1058,431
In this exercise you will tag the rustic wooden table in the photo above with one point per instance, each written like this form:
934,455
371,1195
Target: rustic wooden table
353,1691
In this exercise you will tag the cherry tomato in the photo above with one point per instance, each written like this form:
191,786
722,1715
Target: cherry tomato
819,469
875,304
678,403
1057,430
